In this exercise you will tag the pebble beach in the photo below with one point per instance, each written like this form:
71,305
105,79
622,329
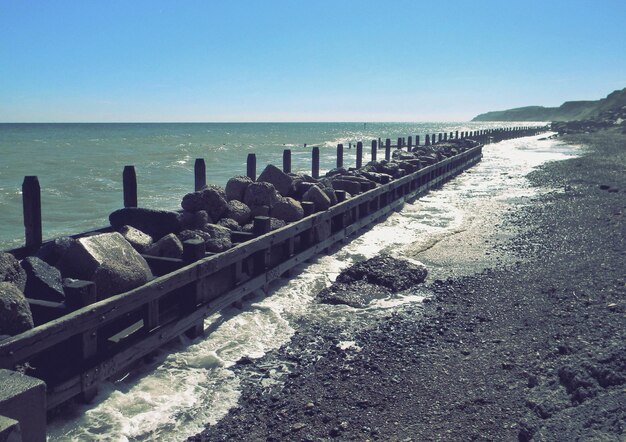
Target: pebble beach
521,337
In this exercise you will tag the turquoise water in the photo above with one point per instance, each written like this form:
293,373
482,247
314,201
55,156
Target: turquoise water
80,165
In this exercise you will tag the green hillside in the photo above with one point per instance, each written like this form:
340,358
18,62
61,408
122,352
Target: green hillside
570,110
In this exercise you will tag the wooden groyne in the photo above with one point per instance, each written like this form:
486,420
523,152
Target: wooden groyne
84,341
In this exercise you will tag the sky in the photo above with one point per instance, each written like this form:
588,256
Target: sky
314,60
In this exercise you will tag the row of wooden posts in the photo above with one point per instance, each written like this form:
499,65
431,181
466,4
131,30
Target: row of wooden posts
31,192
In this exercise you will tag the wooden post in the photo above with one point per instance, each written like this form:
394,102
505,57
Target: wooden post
445,136
199,172
409,143
440,138
193,250
374,150
359,155
308,207
339,155
79,294
251,166
457,135
287,160
427,140
387,149
31,204
399,146
129,181
315,162
417,140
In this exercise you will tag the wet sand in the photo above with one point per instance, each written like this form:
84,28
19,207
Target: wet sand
523,336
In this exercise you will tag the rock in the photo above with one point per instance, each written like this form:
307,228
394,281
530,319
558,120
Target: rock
220,238
330,193
336,171
139,240
301,188
349,186
318,197
13,304
238,211
230,224
356,294
52,251
156,223
194,220
169,247
11,271
108,260
193,234
15,314
276,223
43,281
211,199
391,273
281,181
288,210
236,187
260,194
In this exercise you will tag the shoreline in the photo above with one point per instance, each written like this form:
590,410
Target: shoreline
504,352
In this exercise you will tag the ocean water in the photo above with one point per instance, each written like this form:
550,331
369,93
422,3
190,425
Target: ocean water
192,383
79,166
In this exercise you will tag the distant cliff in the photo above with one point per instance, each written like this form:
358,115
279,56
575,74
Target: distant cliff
568,111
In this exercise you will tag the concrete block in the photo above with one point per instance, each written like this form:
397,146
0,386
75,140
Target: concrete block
23,398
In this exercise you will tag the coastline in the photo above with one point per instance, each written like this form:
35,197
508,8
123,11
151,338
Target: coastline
524,342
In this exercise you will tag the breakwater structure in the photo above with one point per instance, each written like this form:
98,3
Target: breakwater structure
154,275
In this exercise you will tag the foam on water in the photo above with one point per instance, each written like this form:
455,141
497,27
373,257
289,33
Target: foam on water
191,383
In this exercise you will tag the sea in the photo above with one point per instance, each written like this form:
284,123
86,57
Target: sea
192,383
79,166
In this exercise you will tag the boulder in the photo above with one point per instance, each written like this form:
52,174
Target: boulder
318,197
238,211
230,224
288,210
11,271
276,223
351,187
330,193
384,270
168,247
219,238
193,234
301,188
236,187
260,194
336,171
52,251
15,314
156,223
357,294
43,281
139,240
194,220
211,199
108,260
281,181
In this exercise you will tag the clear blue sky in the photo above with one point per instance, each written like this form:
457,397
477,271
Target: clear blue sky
265,60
